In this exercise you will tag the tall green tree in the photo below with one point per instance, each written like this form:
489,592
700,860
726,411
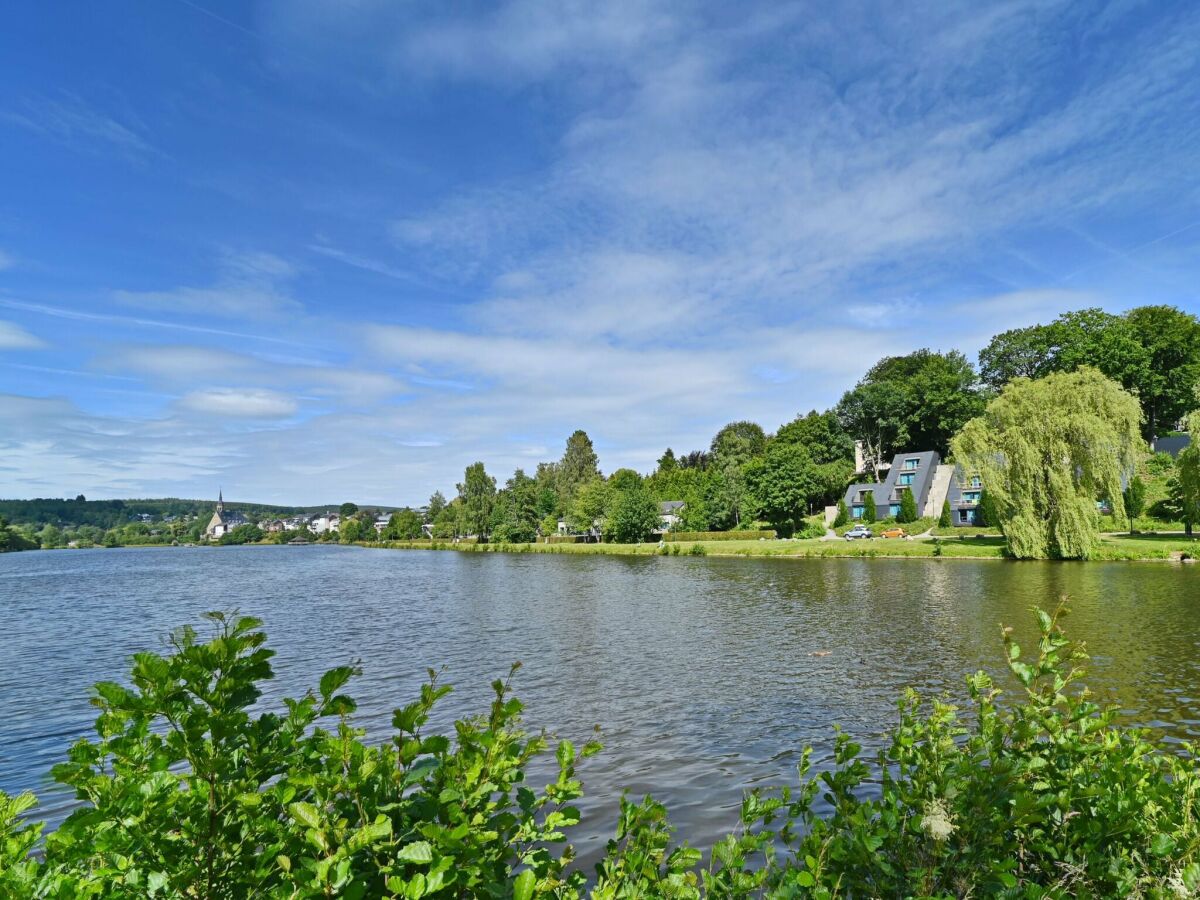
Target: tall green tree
1184,487
624,480
346,510
1171,375
1135,500
986,515
403,525
579,466
1047,451
1151,351
870,510
516,515
589,507
436,504
821,434
945,521
782,481
1018,353
913,402
477,494
738,442
908,508
631,517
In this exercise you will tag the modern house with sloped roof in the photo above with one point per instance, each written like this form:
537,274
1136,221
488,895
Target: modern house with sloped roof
932,483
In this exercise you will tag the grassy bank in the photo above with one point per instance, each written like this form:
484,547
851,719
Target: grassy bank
1113,547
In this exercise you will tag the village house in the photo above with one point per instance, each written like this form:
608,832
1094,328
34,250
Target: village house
670,514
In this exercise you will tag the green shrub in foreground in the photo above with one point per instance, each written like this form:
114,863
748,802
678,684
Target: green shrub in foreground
188,795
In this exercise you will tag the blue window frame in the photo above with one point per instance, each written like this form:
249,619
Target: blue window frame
976,481
966,516
907,478
894,510
970,496
911,463
856,512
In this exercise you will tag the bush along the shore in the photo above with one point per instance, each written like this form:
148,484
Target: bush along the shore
186,794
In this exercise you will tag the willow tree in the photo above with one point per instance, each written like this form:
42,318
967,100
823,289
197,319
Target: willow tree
1048,450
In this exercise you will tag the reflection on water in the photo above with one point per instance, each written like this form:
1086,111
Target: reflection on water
706,675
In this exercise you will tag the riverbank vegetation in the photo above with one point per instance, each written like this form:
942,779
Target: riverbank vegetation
188,790
977,545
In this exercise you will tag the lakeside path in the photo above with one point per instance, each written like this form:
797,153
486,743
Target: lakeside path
1113,547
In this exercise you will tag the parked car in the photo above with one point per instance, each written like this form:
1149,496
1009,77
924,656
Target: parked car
895,532
859,531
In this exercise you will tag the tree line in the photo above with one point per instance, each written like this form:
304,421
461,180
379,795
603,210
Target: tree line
747,477
918,401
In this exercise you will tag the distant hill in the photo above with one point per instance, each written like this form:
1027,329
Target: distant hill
112,513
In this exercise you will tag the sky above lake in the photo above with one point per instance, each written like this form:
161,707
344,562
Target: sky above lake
311,251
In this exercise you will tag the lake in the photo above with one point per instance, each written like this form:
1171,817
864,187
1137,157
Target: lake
706,675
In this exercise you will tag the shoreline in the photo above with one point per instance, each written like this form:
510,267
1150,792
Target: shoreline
1114,548
1124,549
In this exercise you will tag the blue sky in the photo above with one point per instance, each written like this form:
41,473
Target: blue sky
313,250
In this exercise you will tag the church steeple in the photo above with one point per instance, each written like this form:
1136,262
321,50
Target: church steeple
220,501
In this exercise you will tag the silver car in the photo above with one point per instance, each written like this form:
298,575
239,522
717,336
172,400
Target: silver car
859,531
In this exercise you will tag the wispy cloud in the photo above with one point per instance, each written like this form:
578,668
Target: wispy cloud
14,337
248,286
79,315
70,120
242,403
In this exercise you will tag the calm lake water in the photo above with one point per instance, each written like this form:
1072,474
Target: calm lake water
700,671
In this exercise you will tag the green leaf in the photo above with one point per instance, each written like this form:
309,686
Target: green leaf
805,879
1162,844
416,852
523,885
305,814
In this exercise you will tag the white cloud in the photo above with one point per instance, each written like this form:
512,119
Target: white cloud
176,364
249,403
14,337
249,285
70,120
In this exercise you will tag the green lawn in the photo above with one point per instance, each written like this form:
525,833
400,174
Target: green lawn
962,546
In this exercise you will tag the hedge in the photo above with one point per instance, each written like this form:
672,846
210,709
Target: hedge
768,535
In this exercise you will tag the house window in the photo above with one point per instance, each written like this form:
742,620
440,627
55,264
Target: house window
907,478
911,463
894,510
856,512
966,516
970,496
976,481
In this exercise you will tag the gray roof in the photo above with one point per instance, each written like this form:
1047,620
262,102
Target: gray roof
670,506
888,491
1173,444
